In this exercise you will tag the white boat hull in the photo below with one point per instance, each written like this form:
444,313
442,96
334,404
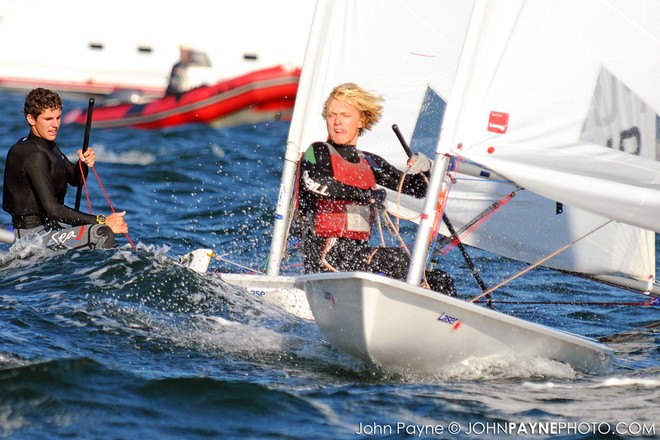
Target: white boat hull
404,328
279,290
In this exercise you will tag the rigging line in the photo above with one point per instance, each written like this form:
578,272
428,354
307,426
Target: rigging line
398,214
578,303
541,261
220,258
456,241
112,208
329,243
607,282
394,230
443,199
84,180
380,228
466,257
445,244
395,227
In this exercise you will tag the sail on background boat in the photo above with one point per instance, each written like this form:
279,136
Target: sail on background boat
575,81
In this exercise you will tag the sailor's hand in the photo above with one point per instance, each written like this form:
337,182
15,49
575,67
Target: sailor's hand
116,222
378,198
88,158
419,163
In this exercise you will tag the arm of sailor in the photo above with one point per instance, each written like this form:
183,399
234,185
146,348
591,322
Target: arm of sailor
389,176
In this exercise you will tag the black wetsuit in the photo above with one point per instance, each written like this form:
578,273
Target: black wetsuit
35,183
345,254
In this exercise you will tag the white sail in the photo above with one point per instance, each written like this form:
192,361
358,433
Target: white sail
354,45
559,97
394,48
538,64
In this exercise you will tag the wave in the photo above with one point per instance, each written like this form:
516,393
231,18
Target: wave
67,396
149,301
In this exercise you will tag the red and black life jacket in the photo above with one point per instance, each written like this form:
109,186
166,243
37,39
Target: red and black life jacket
346,218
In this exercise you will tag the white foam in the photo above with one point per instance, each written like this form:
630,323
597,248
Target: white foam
631,381
132,157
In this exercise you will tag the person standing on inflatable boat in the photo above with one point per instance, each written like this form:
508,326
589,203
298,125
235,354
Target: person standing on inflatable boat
35,184
339,196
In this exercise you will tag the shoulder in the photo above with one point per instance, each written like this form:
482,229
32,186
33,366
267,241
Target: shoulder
371,157
25,147
25,140
315,151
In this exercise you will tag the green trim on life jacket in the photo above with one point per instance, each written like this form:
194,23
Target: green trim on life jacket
309,156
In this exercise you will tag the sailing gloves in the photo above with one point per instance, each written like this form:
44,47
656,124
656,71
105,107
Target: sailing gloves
379,196
422,164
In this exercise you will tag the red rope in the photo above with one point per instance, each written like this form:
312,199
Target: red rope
112,208
89,203
472,226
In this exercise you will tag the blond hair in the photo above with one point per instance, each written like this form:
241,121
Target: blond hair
366,103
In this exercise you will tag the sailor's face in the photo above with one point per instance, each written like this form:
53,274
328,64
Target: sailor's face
46,124
343,122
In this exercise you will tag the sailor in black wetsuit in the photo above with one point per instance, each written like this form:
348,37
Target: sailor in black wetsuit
339,196
35,184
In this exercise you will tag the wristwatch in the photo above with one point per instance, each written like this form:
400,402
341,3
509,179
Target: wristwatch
100,219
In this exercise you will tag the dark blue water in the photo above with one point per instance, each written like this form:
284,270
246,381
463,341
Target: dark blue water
129,344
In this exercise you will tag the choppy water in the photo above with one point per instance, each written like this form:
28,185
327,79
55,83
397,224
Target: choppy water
128,344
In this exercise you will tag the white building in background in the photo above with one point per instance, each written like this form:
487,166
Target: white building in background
96,47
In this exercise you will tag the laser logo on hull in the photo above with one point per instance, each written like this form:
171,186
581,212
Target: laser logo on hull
451,320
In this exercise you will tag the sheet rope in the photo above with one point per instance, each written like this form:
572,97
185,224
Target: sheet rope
89,203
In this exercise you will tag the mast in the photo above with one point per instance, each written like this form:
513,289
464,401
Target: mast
282,210
420,250
293,146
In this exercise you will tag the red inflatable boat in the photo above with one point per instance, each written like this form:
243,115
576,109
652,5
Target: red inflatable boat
260,96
